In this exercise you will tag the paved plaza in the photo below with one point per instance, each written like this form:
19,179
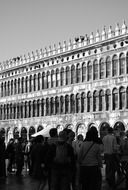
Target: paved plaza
25,182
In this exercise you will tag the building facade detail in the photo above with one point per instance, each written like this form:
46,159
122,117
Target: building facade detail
74,84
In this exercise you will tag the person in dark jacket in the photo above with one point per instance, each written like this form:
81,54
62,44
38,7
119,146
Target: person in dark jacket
10,150
37,156
62,161
19,157
2,158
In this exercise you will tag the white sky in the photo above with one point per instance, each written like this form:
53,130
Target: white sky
27,25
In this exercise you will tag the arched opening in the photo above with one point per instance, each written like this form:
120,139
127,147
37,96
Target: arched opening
119,126
16,133
31,131
24,134
81,129
104,129
2,133
40,127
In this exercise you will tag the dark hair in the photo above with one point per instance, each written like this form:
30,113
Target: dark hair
110,130
91,135
53,132
39,139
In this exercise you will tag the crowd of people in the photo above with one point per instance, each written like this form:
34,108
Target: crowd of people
66,162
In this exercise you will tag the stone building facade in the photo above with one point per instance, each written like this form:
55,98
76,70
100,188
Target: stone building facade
77,84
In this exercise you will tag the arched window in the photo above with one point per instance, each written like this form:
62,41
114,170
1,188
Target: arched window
73,76
39,78
66,104
5,89
67,75
21,109
34,108
47,106
10,111
83,72
95,101
108,99
72,103
38,108
7,111
2,89
108,67
121,64
89,71
15,86
18,86
11,87
56,105
18,111
8,88
34,82
101,68
78,73
52,79
1,112
61,104
127,62
43,80
24,133
26,84
52,105
88,101
115,99
30,109
95,70
48,79
101,98
30,83
31,131
57,78
42,107
78,106
114,65
62,76
22,85
122,98
127,98
40,127
25,110
83,104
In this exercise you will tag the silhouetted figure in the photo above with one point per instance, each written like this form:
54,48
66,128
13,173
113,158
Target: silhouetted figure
2,158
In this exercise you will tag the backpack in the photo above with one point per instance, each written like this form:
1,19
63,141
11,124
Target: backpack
61,156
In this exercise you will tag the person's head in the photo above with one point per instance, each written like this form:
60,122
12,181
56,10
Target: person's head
110,130
39,139
53,132
71,136
91,135
80,137
62,136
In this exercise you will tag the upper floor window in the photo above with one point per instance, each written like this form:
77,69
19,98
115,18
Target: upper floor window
89,71
114,65
101,66
83,72
121,64
108,67
95,70
78,73
73,76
